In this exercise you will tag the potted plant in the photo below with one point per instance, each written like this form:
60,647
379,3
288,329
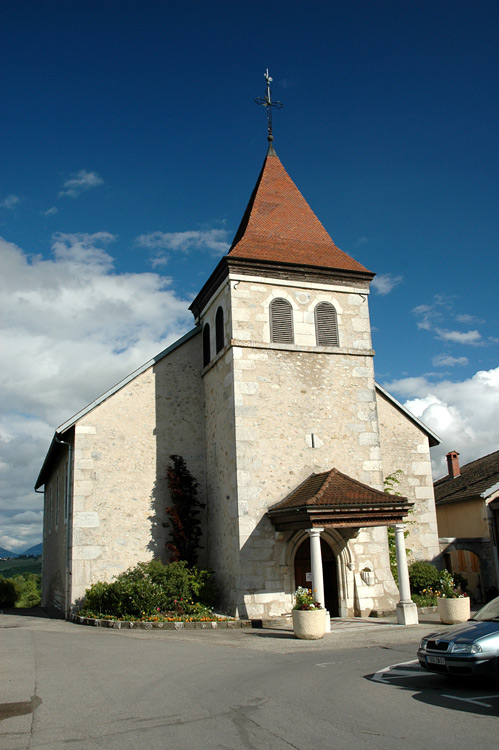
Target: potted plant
309,617
453,603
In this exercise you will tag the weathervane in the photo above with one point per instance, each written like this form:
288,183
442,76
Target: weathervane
268,104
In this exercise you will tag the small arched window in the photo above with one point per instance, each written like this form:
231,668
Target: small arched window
281,321
326,325
219,329
206,345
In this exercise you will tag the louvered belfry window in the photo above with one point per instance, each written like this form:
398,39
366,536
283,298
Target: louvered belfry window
219,329
326,325
206,345
281,321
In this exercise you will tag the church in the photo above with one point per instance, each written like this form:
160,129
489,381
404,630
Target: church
271,400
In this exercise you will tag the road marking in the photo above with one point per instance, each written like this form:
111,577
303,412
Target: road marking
472,700
394,672
406,669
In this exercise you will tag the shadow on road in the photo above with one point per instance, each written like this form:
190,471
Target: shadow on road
471,695
50,613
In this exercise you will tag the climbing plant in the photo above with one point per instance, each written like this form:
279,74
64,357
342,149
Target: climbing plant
391,483
185,526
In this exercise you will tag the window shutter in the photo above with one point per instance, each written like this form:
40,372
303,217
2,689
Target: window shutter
326,325
281,321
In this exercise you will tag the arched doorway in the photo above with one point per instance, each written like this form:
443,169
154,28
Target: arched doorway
303,575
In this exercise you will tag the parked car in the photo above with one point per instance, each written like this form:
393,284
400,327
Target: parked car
470,648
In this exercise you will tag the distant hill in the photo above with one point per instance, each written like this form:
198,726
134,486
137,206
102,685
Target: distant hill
36,550
6,553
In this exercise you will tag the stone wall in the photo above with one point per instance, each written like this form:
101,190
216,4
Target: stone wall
300,409
405,447
121,456
222,492
55,530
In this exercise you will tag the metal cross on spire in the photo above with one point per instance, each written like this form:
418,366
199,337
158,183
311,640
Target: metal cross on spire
268,104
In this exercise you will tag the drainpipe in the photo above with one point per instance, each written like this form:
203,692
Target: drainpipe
69,526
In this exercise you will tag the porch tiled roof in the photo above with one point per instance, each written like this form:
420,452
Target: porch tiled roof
332,498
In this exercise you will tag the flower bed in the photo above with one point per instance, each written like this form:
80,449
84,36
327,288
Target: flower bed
160,624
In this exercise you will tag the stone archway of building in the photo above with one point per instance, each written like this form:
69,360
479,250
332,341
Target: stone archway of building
303,575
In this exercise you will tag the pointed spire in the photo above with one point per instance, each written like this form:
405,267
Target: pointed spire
279,225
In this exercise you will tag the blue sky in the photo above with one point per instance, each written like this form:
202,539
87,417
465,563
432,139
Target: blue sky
131,143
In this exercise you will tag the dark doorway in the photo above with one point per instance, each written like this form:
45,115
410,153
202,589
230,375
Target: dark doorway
303,575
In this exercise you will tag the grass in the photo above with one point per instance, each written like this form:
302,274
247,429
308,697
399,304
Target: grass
15,567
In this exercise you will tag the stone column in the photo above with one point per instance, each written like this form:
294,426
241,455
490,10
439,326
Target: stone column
317,572
407,611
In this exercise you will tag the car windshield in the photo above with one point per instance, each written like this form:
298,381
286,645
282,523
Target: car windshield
489,612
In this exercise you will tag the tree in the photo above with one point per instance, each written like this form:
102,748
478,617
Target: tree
185,526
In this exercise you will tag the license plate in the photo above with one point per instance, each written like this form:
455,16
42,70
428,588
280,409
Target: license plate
435,660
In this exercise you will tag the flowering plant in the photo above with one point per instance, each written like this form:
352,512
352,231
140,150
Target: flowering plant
448,588
304,600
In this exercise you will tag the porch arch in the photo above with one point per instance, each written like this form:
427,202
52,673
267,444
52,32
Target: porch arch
338,544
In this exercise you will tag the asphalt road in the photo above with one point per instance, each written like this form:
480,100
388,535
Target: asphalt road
70,686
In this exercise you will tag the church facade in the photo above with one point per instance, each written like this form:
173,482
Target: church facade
271,400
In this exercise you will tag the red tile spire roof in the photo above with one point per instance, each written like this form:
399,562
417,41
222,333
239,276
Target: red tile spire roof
279,225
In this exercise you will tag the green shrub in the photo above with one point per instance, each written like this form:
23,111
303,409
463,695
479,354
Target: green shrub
147,588
8,593
423,575
425,599
28,587
461,582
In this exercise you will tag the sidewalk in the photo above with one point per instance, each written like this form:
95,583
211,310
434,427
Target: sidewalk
274,636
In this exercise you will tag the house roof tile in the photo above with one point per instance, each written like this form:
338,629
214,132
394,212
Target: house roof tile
475,478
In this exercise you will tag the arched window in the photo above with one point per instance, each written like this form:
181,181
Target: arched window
219,330
206,345
326,325
281,321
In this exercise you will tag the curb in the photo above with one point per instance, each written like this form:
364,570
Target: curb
142,625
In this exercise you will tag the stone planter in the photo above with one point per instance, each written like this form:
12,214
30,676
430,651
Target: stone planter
452,611
310,625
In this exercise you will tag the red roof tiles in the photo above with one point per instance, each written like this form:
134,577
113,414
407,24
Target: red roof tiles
280,226
331,488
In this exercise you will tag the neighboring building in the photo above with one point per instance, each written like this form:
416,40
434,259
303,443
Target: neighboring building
467,502
272,402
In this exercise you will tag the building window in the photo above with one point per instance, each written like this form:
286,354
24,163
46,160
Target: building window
219,330
56,513
206,345
49,525
66,498
281,321
46,511
326,325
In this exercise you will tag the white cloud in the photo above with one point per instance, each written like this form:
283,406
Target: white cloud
465,414
9,202
214,240
71,328
50,211
385,282
446,360
432,317
79,182
460,337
